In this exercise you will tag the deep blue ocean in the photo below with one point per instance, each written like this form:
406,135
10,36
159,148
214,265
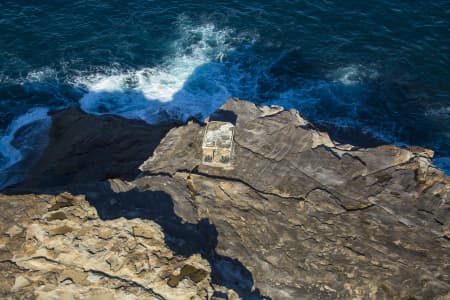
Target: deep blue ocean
380,67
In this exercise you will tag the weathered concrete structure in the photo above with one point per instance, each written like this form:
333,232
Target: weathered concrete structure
218,144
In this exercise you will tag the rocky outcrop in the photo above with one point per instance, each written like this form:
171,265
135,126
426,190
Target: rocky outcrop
313,219
299,216
56,247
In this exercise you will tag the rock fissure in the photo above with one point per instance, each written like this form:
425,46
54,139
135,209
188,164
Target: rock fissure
132,283
238,180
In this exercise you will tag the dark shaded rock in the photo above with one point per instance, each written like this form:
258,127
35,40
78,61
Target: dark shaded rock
84,148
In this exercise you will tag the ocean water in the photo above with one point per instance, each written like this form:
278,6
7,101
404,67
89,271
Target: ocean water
381,67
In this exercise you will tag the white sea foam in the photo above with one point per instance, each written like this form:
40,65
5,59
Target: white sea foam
9,154
353,74
40,75
191,82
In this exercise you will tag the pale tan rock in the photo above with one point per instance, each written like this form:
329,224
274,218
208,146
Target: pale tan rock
14,230
91,264
21,282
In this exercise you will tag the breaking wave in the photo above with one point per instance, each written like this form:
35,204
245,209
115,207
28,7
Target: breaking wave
25,136
191,82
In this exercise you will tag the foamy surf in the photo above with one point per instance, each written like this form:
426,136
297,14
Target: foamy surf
8,152
25,136
353,74
190,83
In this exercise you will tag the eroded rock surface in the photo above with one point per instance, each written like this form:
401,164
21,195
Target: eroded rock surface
56,247
299,216
313,219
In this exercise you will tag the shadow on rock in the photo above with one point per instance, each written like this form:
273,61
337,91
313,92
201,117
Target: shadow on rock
222,115
85,149
352,136
184,239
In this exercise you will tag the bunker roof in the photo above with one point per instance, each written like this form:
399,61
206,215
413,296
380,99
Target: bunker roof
218,135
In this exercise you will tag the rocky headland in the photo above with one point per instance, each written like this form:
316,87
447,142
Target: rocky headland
119,209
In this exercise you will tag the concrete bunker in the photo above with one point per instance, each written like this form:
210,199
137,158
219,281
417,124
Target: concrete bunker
218,144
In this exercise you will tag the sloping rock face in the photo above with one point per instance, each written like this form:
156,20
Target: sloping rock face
312,219
299,216
56,247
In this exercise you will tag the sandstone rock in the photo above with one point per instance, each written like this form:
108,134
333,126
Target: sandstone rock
120,259
20,283
313,220
299,216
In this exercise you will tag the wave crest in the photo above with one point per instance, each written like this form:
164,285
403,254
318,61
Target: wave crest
189,83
